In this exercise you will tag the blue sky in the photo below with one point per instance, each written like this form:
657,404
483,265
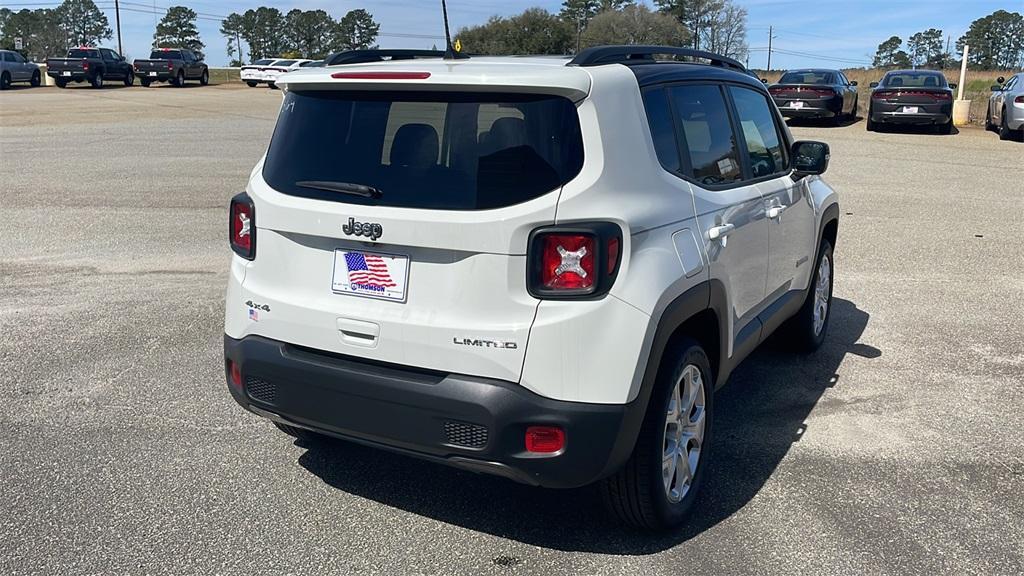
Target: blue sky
846,30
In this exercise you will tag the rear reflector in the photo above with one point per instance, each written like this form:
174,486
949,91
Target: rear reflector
236,374
544,439
381,75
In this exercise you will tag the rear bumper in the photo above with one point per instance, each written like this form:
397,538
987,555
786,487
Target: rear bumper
164,76
816,108
920,118
471,423
74,76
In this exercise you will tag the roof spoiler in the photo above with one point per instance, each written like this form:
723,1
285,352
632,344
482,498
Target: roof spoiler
363,56
599,55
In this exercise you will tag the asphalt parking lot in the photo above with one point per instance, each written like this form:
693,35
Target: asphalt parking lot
896,449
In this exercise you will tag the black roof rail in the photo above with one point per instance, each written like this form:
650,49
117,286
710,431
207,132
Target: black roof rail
379,55
598,55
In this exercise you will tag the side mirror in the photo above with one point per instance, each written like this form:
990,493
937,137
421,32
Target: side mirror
996,88
764,80
854,83
874,85
809,158
952,86
1001,80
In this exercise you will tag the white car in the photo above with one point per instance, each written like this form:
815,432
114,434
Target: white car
267,70
538,268
1005,110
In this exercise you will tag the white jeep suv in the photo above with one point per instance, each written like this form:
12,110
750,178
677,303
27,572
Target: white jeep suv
539,268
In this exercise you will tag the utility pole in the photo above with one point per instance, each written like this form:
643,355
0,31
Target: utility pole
945,55
238,42
770,38
117,17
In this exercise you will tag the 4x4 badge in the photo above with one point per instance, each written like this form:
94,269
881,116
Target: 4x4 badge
369,229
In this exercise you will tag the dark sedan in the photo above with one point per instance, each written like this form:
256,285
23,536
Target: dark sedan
816,93
912,97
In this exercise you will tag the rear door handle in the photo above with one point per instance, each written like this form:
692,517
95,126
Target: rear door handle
721,233
775,211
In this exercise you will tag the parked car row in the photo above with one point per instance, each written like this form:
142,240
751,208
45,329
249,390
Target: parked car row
901,97
267,70
98,65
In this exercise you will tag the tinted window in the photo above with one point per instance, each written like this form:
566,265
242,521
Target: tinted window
107,55
808,77
284,62
8,57
707,131
263,62
456,151
659,118
165,55
764,145
914,79
82,53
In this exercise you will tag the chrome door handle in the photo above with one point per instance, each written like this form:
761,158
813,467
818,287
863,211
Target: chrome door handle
775,211
720,233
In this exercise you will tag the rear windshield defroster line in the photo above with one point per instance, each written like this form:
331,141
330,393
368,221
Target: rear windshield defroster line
433,150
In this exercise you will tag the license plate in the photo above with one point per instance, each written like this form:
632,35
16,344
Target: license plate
65,73
796,105
911,109
370,274
152,73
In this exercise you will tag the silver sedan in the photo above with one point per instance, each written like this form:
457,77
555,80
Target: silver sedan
14,68
1006,108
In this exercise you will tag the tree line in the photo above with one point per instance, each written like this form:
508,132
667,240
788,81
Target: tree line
268,32
261,32
996,43
715,25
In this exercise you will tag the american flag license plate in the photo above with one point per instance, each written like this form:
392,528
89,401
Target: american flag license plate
370,274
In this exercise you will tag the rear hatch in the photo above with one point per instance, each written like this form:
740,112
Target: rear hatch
912,100
159,61
427,268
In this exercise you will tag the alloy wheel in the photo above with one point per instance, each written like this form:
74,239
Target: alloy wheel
684,434
822,294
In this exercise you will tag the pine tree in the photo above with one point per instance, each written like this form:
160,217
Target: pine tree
177,29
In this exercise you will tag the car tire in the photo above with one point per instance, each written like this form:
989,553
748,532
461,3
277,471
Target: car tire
37,79
272,85
5,81
129,79
204,80
871,125
1004,127
806,331
179,80
97,80
856,106
989,126
144,82
946,128
60,83
251,84
299,433
647,492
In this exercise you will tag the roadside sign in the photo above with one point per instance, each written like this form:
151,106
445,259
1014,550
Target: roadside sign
18,45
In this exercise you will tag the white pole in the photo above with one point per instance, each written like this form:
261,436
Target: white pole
963,74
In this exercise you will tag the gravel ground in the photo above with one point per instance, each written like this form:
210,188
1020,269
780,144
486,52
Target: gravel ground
894,450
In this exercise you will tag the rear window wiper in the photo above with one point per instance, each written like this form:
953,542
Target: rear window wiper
342,187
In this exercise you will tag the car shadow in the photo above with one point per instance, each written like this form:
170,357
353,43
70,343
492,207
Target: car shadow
760,414
926,130
822,122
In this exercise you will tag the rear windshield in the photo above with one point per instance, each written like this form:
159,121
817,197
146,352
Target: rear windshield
808,77
165,55
263,62
454,151
81,53
915,79
284,62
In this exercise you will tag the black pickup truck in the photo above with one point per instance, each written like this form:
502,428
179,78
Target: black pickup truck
172,65
92,65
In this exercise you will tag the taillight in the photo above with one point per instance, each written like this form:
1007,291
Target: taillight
544,439
381,75
242,226
170,65
1019,99
822,92
85,65
776,90
573,262
880,95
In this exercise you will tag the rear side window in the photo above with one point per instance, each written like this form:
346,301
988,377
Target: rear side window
764,145
707,131
263,62
453,151
659,117
8,57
